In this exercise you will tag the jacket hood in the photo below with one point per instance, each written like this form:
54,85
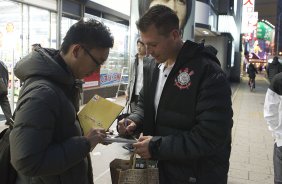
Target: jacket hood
40,62
196,49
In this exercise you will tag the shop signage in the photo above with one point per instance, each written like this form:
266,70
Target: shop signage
264,31
249,17
92,80
109,79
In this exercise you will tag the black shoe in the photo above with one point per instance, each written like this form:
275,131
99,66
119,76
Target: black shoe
128,147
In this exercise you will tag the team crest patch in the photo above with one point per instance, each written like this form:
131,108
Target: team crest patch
183,79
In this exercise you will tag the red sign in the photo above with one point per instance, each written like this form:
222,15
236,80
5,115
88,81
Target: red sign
92,81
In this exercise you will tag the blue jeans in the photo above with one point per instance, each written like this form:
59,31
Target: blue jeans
277,163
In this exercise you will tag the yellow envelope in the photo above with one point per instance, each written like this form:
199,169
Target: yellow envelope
98,113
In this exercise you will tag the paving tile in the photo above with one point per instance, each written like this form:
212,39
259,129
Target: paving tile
238,173
266,178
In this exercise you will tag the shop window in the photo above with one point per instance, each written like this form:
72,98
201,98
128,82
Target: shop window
22,25
39,27
110,72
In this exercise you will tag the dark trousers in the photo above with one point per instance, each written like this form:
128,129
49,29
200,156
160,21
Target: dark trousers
277,163
5,105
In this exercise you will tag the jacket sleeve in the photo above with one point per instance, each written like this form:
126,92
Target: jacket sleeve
212,127
138,114
271,109
35,150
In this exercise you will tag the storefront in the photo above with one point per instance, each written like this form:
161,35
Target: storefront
23,23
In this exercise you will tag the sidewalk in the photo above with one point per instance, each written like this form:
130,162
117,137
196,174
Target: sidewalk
252,147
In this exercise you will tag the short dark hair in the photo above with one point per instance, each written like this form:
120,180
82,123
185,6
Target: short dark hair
162,17
91,34
139,41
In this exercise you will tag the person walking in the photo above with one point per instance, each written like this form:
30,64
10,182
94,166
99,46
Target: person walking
273,68
272,115
47,143
185,112
4,101
252,71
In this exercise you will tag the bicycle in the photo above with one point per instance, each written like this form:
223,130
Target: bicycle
252,84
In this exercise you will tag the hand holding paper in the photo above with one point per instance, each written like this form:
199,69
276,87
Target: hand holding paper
96,136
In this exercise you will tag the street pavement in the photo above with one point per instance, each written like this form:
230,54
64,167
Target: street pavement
252,146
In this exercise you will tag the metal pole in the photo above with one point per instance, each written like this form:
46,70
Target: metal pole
59,22
278,34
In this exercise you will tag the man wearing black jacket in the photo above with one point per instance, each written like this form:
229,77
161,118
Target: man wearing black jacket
185,110
47,144
273,68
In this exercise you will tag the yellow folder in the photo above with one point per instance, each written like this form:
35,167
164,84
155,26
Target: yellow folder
98,113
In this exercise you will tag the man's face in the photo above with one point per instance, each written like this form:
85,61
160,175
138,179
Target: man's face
87,61
141,49
159,46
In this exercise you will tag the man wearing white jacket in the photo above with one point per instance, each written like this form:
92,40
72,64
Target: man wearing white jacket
273,117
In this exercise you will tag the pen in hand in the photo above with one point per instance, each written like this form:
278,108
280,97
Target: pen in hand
126,123
126,126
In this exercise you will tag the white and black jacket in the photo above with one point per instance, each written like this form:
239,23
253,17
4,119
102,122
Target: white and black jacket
273,108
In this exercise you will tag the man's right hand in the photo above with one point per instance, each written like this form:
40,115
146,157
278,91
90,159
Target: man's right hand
126,127
95,136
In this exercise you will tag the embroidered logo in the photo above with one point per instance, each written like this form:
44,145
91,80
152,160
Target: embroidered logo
182,81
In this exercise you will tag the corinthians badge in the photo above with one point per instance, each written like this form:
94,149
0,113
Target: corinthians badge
183,79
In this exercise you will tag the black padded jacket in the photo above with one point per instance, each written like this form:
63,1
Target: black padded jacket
192,128
47,146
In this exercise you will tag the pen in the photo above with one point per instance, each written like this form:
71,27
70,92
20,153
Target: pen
125,125
125,122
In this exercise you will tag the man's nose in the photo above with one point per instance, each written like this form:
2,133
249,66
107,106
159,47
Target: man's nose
149,50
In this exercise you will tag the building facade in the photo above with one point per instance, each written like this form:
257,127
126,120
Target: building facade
23,23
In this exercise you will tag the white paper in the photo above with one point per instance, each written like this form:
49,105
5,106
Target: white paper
119,140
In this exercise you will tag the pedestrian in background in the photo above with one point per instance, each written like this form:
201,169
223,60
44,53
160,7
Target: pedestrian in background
185,112
4,83
252,71
273,117
135,82
273,68
47,143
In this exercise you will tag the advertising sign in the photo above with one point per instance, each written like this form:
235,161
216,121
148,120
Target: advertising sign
264,31
109,79
92,80
249,18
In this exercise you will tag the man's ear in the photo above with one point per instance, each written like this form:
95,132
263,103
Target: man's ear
75,50
176,34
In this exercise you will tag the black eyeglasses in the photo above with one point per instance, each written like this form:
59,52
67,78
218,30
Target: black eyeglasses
92,57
